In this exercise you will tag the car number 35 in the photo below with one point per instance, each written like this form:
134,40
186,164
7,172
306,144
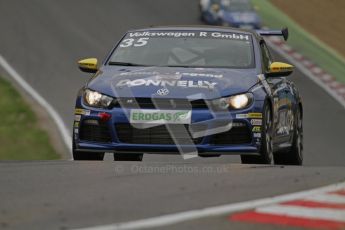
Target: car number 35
134,42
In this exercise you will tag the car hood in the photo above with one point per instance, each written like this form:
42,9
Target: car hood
241,17
141,82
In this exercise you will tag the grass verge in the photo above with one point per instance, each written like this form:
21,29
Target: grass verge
304,42
21,138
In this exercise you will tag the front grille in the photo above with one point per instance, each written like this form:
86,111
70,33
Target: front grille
235,136
92,130
154,135
147,103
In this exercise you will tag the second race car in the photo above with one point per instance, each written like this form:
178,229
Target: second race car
234,13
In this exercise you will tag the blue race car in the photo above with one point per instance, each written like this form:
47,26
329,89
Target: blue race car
194,91
233,13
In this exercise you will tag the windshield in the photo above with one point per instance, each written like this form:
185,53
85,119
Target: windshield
234,5
185,49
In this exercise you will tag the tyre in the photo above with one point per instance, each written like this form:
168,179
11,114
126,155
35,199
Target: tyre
266,151
87,156
294,156
128,157
209,155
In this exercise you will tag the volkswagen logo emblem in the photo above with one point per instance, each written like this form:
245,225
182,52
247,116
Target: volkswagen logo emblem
163,92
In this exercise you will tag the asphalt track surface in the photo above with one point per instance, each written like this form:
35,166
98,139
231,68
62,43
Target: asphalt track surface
43,40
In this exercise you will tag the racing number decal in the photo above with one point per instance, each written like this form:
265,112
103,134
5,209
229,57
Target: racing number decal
134,42
141,42
127,42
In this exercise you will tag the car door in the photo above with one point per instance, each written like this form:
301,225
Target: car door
280,98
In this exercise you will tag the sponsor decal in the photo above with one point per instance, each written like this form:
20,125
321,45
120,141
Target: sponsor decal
138,73
76,131
256,122
257,135
232,36
76,124
160,116
165,83
79,111
176,75
256,129
77,117
277,68
163,34
201,75
255,115
241,116
139,39
249,115
82,112
184,34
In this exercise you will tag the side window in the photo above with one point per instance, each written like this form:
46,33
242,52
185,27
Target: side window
266,56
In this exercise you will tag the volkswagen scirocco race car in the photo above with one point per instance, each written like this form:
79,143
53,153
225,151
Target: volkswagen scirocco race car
194,91
234,13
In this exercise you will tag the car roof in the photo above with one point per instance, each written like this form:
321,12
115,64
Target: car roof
198,28
232,1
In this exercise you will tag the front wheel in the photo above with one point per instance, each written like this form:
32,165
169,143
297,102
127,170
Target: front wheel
87,156
294,156
209,155
266,151
128,157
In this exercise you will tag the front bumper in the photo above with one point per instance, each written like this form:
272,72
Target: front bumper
91,134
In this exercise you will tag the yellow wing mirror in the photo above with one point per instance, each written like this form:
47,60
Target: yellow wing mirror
88,65
280,69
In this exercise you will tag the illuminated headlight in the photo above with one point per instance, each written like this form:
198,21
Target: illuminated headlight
215,8
96,99
240,101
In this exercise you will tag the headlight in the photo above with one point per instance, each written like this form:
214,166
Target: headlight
96,99
240,101
215,8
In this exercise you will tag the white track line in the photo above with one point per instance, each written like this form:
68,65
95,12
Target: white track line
175,218
327,198
307,73
66,137
303,212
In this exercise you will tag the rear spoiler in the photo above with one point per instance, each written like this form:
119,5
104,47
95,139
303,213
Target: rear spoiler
284,32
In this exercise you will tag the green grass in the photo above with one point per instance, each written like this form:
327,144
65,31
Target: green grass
304,42
21,138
